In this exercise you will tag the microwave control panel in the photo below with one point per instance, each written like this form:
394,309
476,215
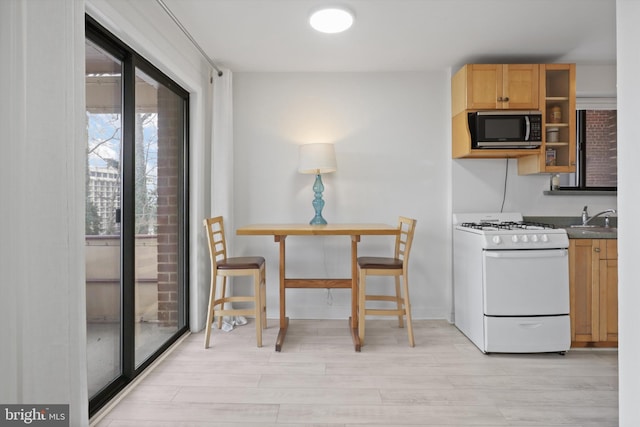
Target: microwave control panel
536,128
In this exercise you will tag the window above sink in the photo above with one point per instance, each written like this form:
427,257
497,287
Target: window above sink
596,171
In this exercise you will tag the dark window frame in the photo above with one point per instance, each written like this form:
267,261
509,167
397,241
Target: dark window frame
132,60
581,146
574,183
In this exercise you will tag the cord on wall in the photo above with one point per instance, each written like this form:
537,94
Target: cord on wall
504,190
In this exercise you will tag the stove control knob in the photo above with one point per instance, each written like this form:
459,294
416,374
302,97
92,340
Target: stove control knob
544,238
514,238
525,239
496,239
534,238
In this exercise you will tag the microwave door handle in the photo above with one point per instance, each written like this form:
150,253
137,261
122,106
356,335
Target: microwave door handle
527,128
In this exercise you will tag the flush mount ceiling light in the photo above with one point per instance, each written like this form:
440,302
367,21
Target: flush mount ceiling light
331,20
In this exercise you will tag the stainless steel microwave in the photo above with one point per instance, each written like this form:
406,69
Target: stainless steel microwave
505,129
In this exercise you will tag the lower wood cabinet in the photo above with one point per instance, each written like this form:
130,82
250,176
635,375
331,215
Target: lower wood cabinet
593,285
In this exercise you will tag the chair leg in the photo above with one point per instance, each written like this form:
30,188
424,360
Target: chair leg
257,294
407,310
212,298
263,297
224,294
399,300
362,286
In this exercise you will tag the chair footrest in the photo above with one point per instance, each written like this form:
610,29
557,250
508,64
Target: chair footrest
236,312
233,299
390,298
384,312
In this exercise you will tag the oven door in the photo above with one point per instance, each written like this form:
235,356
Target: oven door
526,282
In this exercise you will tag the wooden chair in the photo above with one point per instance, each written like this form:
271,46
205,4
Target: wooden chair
382,266
224,267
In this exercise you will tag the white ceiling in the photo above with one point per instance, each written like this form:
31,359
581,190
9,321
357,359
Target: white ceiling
400,35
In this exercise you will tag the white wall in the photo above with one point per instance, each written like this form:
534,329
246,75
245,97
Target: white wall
595,80
391,136
42,307
478,185
628,13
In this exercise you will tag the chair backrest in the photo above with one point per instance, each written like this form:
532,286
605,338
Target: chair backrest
404,240
217,242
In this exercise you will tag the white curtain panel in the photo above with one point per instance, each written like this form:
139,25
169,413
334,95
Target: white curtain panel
222,148
221,179
42,308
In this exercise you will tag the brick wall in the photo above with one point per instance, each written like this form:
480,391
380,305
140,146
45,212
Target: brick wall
602,154
169,125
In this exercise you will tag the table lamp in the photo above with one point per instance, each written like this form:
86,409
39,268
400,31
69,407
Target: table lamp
317,159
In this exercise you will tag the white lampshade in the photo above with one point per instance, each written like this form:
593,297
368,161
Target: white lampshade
317,158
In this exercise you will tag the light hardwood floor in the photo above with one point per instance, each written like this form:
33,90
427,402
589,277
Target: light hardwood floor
318,380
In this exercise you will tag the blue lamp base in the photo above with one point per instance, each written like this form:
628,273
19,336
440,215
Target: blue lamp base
318,203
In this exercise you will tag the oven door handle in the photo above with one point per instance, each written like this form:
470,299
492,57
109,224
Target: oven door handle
542,253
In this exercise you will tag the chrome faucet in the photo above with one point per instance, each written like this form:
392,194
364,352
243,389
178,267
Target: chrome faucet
585,216
586,220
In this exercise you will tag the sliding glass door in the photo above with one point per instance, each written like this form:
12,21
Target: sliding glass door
159,124
136,216
102,225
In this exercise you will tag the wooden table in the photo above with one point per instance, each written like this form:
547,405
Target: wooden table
280,233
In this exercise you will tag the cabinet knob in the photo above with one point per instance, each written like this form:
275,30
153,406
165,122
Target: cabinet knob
506,99
596,249
500,99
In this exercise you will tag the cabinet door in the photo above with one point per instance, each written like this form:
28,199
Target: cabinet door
502,87
609,300
520,86
484,87
608,283
593,285
611,248
584,311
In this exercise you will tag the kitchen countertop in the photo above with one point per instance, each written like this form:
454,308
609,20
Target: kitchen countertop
597,232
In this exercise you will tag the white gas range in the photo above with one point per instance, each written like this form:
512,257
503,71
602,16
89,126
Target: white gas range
511,283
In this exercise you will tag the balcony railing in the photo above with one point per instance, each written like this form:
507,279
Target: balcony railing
103,278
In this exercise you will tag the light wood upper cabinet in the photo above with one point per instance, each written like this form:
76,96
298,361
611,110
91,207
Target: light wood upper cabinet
558,106
490,87
550,88
593,285
495,87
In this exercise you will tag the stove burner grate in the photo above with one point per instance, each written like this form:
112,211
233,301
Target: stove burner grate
508,225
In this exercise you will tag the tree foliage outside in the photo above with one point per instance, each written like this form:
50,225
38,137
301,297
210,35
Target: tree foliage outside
92,219
146,173
103,173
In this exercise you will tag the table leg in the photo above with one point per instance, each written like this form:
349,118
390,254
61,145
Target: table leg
284,321
353,320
